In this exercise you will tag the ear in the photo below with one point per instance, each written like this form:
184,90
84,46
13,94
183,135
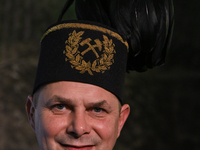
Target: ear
125,110
30,110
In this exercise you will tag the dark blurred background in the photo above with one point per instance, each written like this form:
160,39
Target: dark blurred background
164,101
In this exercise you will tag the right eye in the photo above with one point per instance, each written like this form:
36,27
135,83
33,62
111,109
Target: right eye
59,109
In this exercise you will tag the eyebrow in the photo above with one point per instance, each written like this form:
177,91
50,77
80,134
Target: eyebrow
102,103
56,98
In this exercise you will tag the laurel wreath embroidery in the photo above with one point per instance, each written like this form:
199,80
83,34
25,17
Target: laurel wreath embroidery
75,57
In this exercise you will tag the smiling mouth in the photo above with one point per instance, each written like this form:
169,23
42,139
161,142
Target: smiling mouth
74,147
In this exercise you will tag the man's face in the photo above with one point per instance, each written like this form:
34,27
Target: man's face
76,116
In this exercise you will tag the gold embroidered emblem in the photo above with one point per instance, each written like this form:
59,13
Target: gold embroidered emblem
75,57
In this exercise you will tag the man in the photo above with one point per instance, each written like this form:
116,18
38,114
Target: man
77,97
73,106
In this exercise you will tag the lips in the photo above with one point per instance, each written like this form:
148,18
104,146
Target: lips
77,147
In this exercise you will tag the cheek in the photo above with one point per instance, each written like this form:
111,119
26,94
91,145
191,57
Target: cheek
107,129
48,126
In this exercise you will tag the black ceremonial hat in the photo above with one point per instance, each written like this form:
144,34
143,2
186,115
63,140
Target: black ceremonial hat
83,51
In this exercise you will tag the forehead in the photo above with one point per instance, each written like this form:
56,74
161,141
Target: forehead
77,92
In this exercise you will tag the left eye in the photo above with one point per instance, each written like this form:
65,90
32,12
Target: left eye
59,106
97,109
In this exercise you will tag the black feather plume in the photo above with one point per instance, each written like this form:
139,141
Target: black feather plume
147,26
92,10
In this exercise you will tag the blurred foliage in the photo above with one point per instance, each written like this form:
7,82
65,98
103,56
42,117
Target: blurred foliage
164,101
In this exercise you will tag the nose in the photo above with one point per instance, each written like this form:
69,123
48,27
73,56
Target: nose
79,125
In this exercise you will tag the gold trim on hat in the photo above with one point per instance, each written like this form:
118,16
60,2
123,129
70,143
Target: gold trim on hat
85,26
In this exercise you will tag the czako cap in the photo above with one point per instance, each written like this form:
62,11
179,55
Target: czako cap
83,51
